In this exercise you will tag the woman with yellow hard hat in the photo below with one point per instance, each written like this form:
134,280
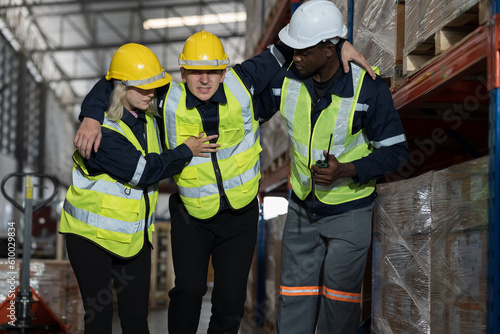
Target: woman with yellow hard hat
109,209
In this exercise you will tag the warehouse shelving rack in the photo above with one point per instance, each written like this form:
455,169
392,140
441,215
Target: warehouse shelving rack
466,58
446,78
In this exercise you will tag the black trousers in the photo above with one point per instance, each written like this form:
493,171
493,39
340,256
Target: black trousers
97,272
230,239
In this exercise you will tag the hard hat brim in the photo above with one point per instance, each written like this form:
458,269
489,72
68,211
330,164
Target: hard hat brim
155,84
289,41
158,83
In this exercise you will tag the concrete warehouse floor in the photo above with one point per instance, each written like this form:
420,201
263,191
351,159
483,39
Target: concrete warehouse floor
158,320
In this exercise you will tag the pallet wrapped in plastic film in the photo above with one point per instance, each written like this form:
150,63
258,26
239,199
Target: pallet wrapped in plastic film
434,26
379,36
425,17
430,252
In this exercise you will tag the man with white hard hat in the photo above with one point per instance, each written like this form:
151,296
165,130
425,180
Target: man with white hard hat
345,134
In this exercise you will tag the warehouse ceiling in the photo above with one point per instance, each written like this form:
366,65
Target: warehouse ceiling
69,43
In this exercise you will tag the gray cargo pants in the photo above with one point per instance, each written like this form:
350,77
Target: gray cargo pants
322,268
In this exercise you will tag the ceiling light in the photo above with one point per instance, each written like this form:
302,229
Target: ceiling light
194,20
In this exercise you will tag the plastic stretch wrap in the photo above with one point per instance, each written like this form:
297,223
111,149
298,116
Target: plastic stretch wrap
375,35
430,252
268,308
343,6
274,236
55,282
425,17
255,24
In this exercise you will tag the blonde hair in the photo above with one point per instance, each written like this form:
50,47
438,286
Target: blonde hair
115,110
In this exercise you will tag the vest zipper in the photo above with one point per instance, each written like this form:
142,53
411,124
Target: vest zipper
145,191
146,234
309,163
215,163
309,159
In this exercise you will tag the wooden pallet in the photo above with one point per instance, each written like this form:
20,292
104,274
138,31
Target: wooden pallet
455,31
397,77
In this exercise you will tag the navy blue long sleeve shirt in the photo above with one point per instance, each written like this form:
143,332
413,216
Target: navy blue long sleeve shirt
379,120
118,157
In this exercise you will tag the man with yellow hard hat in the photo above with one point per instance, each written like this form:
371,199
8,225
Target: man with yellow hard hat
215,211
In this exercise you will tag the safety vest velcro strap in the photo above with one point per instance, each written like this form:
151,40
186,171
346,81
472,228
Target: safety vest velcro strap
133,83
106,223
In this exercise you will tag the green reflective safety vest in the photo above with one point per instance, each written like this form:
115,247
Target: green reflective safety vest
109,213
308,144
234,171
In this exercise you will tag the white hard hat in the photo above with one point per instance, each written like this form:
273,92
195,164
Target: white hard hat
313,22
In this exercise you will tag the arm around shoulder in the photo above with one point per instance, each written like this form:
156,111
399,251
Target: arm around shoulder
88,135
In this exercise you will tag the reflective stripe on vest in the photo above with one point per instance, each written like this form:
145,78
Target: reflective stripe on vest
308,147
107,212
237,159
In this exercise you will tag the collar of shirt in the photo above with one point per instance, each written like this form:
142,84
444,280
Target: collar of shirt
193,102
341,87
130,120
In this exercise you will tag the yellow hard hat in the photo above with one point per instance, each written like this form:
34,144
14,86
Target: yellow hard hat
136,65
203,51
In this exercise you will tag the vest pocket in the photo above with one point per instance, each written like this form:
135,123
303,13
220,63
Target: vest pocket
230,137
189,186
246,165
187,130
118,220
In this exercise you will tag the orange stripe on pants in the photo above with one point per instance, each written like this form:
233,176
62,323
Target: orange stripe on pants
342,296
300,291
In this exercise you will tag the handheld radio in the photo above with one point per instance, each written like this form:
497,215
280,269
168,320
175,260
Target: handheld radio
325,163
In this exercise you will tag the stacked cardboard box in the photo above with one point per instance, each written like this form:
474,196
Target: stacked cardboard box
379,35
429,257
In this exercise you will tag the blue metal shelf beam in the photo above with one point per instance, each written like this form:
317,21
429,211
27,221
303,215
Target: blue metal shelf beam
493,316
